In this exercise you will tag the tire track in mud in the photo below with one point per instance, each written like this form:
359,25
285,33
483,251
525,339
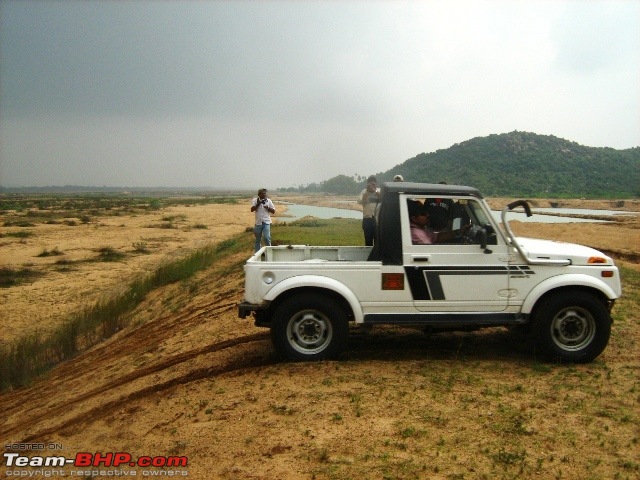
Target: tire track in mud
101,410
150,331
139,338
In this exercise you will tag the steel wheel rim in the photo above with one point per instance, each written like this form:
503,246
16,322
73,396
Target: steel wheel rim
309,332
573,328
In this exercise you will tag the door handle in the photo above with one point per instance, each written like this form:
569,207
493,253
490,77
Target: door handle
420,259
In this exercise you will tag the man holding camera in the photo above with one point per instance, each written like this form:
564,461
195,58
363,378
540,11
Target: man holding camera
263,207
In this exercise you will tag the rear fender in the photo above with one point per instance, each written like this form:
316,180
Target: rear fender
316,281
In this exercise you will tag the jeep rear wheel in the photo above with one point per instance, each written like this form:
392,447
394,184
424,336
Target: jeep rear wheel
309,327
572,327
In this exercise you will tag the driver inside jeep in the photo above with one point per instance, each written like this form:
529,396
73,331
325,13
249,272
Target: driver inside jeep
421,231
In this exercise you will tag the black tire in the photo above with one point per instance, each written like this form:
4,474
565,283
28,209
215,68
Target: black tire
309,327
572,327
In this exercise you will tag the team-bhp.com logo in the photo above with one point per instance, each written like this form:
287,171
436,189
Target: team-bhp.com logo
92,462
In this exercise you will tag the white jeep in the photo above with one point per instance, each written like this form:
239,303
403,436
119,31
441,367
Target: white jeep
484,277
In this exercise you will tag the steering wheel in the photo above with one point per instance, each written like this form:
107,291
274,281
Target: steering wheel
468,237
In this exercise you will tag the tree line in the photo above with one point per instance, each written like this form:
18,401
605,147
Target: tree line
513,164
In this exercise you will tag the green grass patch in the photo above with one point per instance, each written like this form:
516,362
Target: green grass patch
206,200
141,247
629,303
109,254
165,225
24,234
334,231
64,265
172,218
625,311
54,252
10,277
19,223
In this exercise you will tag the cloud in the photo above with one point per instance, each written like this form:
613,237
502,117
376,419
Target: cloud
199,93
594,36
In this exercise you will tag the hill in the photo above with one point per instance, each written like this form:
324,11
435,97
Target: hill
518,164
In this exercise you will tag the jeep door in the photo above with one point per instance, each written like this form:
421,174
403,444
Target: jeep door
459,275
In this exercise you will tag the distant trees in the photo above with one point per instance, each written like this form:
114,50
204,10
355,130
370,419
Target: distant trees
341,185
515,164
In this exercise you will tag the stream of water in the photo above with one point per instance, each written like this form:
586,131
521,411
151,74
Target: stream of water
296,212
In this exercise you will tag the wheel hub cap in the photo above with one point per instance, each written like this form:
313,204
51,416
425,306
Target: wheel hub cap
573,329
309,332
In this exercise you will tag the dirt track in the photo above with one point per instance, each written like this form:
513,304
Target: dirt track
189,378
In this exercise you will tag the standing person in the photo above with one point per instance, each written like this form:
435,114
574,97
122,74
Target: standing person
263,207
369,197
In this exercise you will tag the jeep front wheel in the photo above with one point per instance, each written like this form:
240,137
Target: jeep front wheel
309,327
572,327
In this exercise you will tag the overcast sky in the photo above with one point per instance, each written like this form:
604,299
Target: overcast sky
246,94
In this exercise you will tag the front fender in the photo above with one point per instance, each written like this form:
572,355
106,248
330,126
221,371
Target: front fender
567,280
317,281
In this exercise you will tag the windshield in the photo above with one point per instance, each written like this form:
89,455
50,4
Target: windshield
478,213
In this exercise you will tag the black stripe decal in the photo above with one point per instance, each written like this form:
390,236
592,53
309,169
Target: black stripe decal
434,285
417,283
425,283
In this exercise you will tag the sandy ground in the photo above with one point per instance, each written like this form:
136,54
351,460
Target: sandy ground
188,378
65,287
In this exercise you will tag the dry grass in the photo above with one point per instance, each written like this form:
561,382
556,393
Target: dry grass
76,265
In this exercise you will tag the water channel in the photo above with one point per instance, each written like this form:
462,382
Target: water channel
297,211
